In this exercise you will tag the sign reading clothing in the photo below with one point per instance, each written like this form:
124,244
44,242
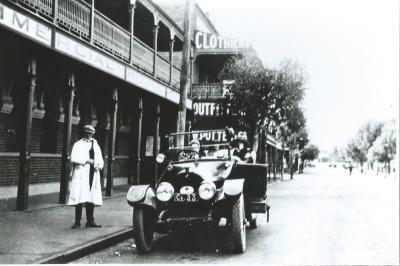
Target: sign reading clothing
204,40
25,25
89,56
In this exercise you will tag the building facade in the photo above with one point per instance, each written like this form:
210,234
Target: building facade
67,63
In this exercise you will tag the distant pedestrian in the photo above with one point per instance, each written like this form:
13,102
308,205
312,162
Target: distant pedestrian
87,162
350,168
292,168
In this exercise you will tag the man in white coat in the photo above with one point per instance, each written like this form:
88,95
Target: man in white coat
87,162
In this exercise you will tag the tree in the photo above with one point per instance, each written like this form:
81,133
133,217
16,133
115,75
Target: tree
247,96
384,147
358,148
259,97
310,152
356,152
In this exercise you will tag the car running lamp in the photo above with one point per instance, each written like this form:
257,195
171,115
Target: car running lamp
207,190
164,191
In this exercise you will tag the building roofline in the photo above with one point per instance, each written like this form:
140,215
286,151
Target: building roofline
207,19
162,12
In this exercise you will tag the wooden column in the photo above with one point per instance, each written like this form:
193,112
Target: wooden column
66,154
25,152
132,6
156,142
185,72
139,140
171,56
269,162
55,11
155,44
111,150
91,28
274,162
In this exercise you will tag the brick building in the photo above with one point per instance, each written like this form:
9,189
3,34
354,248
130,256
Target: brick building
113,64
67,63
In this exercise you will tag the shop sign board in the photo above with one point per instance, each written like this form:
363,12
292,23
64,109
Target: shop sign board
206,109
88,55
204,40
210,137
24,25
144,82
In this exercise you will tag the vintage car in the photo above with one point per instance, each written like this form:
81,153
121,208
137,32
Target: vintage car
200,189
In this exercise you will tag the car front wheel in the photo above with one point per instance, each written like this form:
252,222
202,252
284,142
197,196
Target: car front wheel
238,226
142,230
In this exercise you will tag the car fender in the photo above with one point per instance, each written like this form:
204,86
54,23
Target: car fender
233,187
142,195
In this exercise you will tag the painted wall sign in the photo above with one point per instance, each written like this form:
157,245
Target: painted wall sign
206,109
25,25
88,55
204,40
144,82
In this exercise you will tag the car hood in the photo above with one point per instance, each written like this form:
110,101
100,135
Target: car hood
209,170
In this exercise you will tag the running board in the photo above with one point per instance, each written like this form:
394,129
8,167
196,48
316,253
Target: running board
258,205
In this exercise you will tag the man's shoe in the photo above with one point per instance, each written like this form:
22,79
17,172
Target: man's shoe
76,226
93,224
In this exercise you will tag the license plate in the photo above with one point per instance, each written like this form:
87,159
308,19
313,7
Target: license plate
186,197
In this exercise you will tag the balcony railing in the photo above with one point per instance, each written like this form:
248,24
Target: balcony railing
163,69
75,16
208,91
176,77
111,36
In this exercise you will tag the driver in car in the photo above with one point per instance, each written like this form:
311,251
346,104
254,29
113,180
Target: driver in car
193,153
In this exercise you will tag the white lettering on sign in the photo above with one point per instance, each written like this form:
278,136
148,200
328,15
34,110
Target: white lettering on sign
204,40
89,56
25,25
206,109
216,136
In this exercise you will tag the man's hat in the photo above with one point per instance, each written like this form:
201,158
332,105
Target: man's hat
195,141
89,129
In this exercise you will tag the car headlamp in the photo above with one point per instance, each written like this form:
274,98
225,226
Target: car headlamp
207,190
164,191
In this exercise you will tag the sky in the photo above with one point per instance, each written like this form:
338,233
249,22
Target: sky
348,48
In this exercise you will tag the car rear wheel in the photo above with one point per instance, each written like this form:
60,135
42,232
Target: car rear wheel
238,226
142,230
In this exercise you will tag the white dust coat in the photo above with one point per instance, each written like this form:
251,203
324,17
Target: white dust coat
80,191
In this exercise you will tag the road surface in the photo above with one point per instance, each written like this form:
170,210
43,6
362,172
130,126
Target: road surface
323,216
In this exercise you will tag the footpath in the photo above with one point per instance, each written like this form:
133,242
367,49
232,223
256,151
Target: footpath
44,234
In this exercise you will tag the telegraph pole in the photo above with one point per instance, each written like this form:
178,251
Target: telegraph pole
185,72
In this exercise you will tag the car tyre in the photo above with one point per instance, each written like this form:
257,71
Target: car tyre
142,230
238,226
